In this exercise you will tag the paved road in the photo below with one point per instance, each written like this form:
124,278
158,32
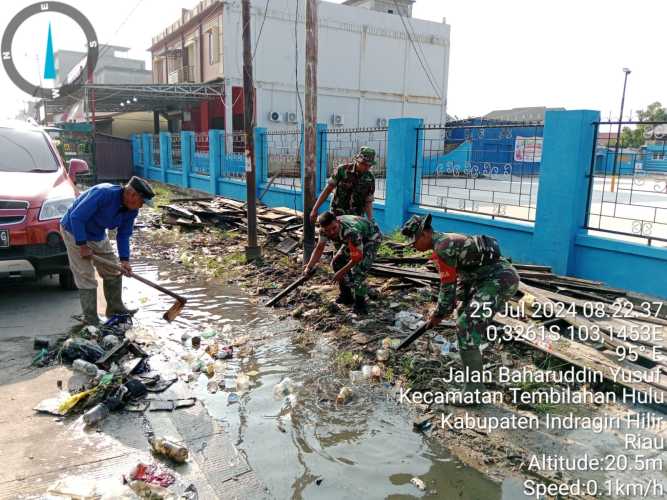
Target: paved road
30,308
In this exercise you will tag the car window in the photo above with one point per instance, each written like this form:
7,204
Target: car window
25,151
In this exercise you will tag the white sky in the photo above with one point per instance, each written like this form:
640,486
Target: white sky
504,54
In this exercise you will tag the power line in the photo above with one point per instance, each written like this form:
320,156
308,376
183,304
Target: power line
407,32
108,45
419,45
259,35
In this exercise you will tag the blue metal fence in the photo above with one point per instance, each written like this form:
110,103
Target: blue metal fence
553,228
488,169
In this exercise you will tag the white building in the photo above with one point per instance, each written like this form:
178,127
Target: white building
368,68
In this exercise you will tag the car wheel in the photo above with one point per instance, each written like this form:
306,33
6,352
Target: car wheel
66,279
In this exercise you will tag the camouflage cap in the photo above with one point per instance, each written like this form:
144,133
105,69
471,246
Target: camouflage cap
367,155
414,227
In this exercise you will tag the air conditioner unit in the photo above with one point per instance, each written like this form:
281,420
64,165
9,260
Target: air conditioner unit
337,120
381,122
274,116
290,117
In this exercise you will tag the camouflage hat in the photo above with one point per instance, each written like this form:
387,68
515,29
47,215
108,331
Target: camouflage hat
414,227
367,155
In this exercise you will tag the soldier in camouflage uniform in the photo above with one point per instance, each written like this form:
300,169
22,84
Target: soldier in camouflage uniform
354,187
358,239
488,281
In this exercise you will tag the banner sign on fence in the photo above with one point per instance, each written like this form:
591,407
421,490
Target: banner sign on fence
528,149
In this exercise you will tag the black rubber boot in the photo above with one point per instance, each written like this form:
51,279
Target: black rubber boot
471,358
113,293
89,307
345,297
360,305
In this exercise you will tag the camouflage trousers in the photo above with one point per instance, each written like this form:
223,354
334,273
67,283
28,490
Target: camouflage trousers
485,298
356,277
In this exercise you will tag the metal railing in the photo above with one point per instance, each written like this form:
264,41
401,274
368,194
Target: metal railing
140,150
184,74
201,142
487,169
155,138
343,144
232,151
282,149
176,156
627,197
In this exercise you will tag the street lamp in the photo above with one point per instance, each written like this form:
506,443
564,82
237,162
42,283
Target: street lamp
618,133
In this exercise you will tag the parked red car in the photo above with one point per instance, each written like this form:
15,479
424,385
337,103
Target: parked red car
35,191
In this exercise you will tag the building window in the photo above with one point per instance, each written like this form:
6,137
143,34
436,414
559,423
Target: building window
390,11
658,156
213,46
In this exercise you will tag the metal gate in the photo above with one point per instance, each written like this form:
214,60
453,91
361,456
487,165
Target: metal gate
113,158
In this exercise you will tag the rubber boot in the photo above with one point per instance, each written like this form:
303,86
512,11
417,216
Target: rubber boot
471,357
345,296
89,306
113,293
360,305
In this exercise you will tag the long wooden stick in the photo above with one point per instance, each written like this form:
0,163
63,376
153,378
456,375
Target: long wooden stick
109,263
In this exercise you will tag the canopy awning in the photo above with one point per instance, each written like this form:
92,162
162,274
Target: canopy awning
138,97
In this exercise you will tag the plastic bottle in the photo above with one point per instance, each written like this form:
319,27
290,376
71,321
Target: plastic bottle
284,388
96,414
83,366
176,452
242,382
382,354
344,395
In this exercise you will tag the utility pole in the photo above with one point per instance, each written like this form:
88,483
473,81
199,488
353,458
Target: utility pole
618,133
252,251
310,128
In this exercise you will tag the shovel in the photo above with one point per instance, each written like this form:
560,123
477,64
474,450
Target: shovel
173,311
300,281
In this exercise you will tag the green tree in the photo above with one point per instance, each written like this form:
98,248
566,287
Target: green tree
634,138
653,113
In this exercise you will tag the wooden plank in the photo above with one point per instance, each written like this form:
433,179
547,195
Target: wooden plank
386,270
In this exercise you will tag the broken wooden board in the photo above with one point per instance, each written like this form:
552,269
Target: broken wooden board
287,245
393,271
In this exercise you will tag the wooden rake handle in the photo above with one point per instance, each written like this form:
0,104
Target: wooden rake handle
162,289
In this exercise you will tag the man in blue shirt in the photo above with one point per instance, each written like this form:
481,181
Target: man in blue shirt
84,230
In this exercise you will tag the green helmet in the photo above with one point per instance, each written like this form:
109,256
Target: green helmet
367,155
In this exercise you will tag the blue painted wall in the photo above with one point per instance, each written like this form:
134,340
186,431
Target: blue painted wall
556,239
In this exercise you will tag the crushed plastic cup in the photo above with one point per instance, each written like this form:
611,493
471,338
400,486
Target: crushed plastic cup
284,388
242,382
232,398
356,376
366,371
208,334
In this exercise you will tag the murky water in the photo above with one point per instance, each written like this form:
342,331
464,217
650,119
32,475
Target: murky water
303,445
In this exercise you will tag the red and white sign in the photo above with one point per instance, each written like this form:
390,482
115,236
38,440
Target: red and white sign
528,149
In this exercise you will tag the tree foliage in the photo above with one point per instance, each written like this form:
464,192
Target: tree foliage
635,137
